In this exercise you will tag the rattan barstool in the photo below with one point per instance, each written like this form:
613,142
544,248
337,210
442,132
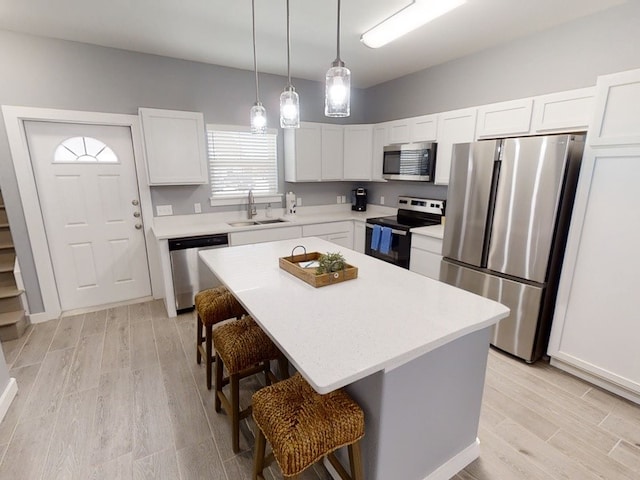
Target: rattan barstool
213,305
243,349
303,426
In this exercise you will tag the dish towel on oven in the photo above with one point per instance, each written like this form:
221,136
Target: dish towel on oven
375,237
385,240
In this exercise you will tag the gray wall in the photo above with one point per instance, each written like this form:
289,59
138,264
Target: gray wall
51,73
59,74
563,58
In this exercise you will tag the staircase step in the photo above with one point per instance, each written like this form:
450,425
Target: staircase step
12,325
6,245
9,292
7,264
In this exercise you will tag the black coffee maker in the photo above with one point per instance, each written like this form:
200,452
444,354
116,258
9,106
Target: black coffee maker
359,199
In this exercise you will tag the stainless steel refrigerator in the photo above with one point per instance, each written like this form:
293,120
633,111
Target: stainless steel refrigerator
508,210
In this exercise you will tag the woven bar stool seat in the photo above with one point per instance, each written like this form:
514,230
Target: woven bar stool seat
213,305
244,349
303,426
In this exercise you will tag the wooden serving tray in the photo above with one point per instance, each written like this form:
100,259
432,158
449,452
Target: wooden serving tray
290,264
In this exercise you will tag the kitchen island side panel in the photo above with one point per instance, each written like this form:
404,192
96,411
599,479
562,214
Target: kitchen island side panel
429,406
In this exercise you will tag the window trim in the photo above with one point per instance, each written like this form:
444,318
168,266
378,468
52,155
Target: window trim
241,199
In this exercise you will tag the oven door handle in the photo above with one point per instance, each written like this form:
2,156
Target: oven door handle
393,230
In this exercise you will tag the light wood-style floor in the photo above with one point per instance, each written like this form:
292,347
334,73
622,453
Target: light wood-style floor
117,394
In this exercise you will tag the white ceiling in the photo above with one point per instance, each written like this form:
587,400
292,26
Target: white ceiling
219,31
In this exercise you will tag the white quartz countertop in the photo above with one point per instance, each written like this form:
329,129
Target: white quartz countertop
436,231
209,224
341,333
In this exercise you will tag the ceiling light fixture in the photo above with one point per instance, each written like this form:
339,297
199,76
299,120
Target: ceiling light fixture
406,20
258,112
337,98
289,100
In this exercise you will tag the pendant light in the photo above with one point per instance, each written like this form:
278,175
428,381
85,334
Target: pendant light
337,99
289,100
258,112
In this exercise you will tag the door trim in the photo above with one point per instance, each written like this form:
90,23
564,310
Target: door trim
14,118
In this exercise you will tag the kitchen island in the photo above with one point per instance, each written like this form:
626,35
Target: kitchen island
411,351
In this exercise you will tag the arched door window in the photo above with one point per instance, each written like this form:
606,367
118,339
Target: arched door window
83,150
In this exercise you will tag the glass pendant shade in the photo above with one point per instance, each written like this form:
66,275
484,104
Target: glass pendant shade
258,118
337,100
289,108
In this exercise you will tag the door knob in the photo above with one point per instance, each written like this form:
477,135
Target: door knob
138,226
136,214
135,202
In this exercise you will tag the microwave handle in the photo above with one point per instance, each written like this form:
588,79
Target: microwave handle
393,230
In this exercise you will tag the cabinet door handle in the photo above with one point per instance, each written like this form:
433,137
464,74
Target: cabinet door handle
138,226
136,214
135,202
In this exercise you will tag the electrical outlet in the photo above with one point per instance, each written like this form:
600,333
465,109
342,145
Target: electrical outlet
197,208
163,210
338,199
298,201
344,199
381,200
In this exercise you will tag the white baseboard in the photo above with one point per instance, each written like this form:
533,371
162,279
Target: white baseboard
444,472
43,316
596,380
457,463
7,397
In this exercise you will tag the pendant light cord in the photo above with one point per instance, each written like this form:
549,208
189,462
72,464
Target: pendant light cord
338,35
255,57
288,48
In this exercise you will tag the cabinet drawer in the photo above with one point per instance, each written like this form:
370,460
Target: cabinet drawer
326,228
430,244
264,235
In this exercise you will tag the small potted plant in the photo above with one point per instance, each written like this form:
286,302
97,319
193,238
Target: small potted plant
330,262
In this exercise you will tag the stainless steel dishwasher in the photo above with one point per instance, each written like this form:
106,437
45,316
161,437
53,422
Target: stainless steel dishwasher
190,274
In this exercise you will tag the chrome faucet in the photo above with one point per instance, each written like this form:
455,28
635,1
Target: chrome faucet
251,207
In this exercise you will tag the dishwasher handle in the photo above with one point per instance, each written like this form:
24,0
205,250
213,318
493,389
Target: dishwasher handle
219,240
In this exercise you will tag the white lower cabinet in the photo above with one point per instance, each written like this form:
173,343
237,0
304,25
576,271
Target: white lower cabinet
359,236
426,255
264,235
340,233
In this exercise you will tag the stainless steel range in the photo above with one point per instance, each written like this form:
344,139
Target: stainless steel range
389,238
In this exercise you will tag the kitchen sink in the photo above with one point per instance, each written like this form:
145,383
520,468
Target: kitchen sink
267,222
248,223
243,224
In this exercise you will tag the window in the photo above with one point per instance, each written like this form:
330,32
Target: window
241,161
83,150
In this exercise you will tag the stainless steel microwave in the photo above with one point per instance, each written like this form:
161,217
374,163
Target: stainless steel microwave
409,161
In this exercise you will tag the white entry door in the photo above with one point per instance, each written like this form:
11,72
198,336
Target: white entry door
87,188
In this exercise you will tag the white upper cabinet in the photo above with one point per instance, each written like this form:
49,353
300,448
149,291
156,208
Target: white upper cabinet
332,152
564,111
175,147
379,141
504,118
617,121
358,152
424,128
399,131
409,130
303,153
457,126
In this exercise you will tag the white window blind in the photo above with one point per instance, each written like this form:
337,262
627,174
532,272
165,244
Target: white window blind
242,161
